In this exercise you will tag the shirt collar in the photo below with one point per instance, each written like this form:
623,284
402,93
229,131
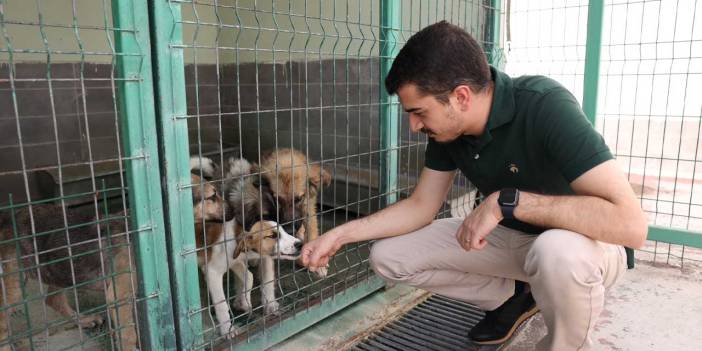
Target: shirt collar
501,110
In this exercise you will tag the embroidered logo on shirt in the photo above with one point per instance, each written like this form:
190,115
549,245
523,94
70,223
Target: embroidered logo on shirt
513,168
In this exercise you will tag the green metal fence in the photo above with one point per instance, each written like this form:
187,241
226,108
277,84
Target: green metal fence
644,97
103,103
267,75
77,120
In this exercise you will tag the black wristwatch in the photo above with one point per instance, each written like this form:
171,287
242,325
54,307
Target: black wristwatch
508,201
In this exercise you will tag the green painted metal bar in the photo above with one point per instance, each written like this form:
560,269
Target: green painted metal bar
675,236
389,117
138,125
493,49
593,48
166,31
307,318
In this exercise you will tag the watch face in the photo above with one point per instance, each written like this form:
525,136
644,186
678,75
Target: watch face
508,197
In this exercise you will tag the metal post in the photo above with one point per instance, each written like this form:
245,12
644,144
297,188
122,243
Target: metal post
493,49
169,76
138,124
592,58
389,116
593,47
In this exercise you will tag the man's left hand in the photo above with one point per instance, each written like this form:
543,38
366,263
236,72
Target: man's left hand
479,223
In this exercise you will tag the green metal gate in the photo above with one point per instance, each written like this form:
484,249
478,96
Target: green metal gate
77,122
635,66
239,78
104,102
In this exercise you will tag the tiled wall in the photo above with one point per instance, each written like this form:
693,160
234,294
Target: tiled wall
56,120
327,108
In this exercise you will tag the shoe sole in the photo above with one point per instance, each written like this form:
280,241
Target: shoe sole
516,325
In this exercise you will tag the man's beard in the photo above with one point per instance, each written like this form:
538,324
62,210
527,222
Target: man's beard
444,141
431,134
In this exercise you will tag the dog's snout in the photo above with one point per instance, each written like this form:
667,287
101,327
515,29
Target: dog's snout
298,245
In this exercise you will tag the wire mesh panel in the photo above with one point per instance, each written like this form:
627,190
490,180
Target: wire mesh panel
282,108
547,37
80,224
649,110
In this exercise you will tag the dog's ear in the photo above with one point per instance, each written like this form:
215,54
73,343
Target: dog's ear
319,176
240,245
258,209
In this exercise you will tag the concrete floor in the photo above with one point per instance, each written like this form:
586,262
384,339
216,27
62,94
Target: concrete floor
355,322
656,306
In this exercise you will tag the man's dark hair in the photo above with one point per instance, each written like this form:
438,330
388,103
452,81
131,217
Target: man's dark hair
437,59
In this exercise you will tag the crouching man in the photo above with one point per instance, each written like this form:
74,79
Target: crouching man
557,211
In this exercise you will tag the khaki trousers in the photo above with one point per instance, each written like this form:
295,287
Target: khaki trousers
568,273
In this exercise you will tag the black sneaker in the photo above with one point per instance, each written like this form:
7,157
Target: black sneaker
499,324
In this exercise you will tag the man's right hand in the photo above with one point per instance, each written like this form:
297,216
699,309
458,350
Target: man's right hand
316,253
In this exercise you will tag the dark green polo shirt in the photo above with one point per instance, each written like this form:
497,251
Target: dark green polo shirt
537,139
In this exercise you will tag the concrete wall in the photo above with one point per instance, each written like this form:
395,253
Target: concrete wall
301,74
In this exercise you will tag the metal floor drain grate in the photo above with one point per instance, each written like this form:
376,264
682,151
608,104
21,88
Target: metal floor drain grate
439,324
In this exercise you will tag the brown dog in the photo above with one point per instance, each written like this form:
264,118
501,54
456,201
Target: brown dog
73,254
294,183
64,258
285,192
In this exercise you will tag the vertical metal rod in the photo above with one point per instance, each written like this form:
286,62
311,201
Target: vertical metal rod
389,116
492,46
136,99
593,47
169,76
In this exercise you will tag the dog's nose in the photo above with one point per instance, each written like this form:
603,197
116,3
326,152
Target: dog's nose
298,245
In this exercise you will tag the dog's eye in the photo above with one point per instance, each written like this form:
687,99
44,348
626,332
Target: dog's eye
274,235
213,197
298,199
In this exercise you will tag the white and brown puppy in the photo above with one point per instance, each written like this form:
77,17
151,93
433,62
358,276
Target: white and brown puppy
229,247
262,244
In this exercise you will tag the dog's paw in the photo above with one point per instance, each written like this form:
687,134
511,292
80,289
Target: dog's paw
322,272
272,307
243,304
90,321
228,330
